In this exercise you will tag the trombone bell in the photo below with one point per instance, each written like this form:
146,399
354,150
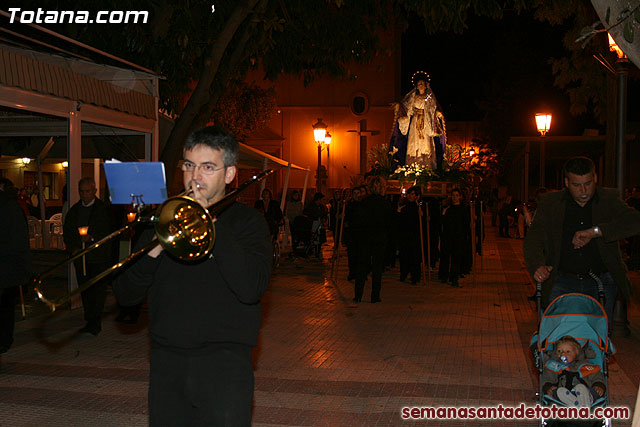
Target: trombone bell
184,228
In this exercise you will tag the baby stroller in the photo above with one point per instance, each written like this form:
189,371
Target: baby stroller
583,318
306,236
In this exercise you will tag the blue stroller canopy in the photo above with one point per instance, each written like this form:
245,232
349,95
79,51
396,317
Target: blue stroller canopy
577,315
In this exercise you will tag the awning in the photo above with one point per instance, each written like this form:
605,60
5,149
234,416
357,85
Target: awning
118,89
255,159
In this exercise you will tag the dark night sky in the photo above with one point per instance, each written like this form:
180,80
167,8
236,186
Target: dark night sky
511,53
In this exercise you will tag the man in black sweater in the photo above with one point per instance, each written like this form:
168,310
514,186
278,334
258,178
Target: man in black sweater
95,215
205,315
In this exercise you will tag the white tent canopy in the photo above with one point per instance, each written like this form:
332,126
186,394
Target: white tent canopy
253,158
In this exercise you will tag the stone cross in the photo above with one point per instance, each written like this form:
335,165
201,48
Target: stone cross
363,133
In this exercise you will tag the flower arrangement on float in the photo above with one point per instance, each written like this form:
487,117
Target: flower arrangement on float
459,164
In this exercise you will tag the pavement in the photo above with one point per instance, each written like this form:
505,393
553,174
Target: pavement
321,359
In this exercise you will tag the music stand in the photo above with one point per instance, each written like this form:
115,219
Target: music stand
136,183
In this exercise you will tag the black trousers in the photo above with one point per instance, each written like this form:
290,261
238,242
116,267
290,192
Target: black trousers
352,256
410,258
212,388
370,254
8,299
449,267
94,297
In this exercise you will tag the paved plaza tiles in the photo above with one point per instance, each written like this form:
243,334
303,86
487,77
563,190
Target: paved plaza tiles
321,360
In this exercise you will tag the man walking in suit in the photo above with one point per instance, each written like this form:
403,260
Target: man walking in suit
574,237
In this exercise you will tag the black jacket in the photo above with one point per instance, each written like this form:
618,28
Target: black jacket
543,243
372,219
100,225
15,258
214,300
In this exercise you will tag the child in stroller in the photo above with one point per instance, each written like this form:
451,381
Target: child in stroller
578,321
569,377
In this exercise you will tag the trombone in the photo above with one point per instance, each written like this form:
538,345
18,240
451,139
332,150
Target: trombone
183,227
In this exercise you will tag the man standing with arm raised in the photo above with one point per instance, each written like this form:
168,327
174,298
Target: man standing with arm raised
574,237
205,315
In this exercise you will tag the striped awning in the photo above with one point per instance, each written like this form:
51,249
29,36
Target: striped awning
108,87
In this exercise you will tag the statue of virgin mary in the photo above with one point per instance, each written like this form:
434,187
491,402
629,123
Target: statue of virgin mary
419,132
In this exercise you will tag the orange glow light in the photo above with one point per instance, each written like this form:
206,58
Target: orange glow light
543,123
613,47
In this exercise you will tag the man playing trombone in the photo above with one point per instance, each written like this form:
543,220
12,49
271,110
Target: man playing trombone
205,315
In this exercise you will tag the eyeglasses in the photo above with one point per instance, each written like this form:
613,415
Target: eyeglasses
205,168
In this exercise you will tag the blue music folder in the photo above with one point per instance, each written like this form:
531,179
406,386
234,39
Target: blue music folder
144,181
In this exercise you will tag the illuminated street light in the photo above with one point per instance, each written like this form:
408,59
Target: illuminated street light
543,123
320,136
25,161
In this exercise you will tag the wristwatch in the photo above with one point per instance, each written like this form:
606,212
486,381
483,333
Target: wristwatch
596,231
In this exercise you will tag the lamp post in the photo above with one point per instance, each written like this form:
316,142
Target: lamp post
319,135
543,123
622,70
619,323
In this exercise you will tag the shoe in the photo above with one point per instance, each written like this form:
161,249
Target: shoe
403,278
350,277
357,300
455,284
414,283
4,348
92,329
375,300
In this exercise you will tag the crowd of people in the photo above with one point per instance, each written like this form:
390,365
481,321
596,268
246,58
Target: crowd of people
380,231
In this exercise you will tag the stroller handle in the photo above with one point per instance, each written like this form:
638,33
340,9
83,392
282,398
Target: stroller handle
539,299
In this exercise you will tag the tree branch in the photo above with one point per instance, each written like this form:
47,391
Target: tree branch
200,95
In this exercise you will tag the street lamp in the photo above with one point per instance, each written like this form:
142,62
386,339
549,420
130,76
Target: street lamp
319,135
622,70
543,123
619,322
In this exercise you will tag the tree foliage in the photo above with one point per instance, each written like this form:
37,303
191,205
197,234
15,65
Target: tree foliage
582,76
243,109
190,45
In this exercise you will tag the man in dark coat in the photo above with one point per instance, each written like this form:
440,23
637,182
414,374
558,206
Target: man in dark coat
408,219
15,259
90,212
574,237
371,225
